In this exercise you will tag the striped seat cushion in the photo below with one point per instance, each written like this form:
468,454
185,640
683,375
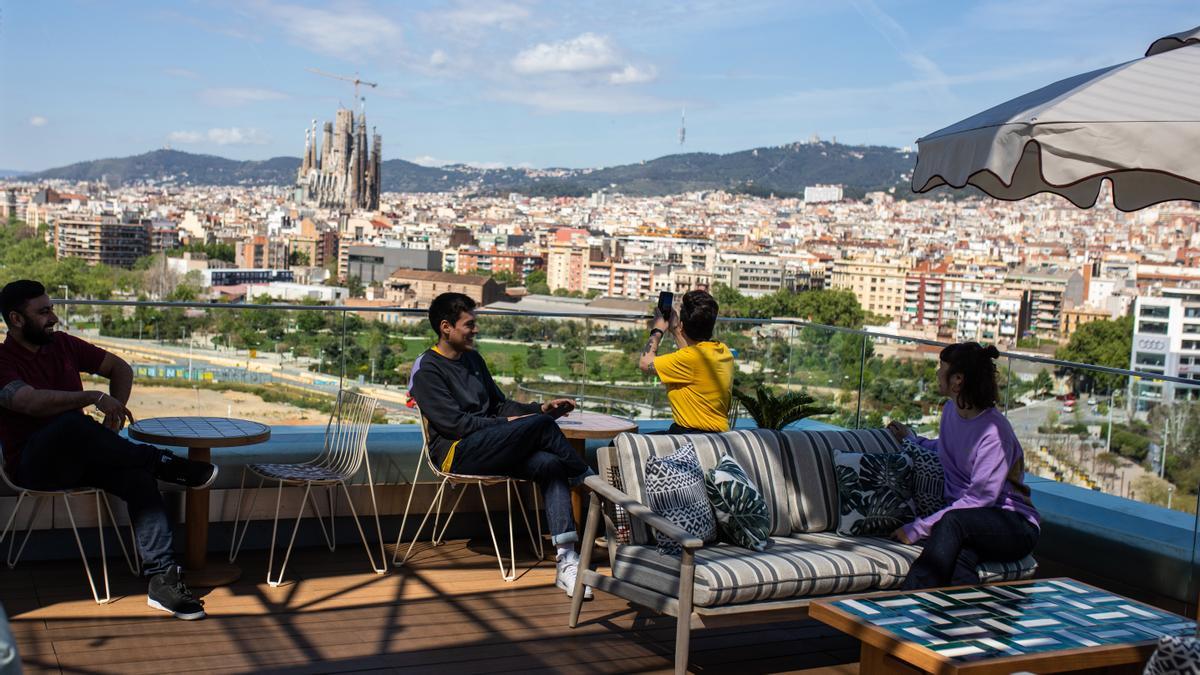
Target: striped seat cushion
757,451
812,484
727,575
894,559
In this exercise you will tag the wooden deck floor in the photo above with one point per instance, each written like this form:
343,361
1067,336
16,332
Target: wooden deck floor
447,612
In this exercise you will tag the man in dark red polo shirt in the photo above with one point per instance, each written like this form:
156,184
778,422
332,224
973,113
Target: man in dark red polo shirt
49,443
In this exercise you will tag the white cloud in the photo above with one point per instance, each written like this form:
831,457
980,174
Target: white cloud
588,52
37,121
899,39
181,72
632,74
218,136
471,15
236,96
438,58
348,30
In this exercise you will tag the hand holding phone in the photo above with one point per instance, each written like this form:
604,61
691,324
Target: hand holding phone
665,300
558,407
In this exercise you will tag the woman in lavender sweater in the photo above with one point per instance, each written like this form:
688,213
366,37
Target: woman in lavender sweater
988,513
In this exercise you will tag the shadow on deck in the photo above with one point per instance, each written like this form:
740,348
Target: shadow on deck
447,610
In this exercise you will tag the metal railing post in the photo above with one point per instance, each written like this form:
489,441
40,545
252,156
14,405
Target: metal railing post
862,369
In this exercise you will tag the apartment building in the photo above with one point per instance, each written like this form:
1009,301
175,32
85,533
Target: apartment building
376,264
620,279
491,261
566,267
989,318
879,286
107,239
1166,341
263,252
1048,291
752,274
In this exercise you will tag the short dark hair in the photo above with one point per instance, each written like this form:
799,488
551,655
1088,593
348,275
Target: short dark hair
448,307
977,365
16,294
698,314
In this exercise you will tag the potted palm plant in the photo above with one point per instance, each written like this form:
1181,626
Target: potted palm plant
776,411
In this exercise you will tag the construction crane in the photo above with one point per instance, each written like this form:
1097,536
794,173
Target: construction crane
355,80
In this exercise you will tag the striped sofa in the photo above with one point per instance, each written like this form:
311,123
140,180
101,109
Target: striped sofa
808,559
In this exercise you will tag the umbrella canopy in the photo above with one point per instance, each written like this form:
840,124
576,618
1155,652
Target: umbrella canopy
1136,124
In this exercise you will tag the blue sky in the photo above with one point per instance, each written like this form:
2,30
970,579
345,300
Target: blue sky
527,83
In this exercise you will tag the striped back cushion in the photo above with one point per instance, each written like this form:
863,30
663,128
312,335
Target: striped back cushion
757,451
811,481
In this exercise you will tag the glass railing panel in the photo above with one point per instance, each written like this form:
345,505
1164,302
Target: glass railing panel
826,364
899,382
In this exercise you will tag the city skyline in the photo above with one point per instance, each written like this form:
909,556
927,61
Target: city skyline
532,84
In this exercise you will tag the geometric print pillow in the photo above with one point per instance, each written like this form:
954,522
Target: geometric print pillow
741,511
928,478
1175,655
675,490
874,492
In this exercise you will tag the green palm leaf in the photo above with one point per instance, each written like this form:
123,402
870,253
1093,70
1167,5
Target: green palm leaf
776,411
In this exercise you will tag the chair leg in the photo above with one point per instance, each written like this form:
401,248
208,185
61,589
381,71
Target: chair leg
441,537
683,622
417,535
505,574
535,536
312,501
87,569
378,527
134,562
37,507
585,558
412,488
291,540
235,545
381,568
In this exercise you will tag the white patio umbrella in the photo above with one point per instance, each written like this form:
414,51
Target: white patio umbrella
1136,124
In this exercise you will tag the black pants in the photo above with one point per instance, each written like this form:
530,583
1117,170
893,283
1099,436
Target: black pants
73,450
675,429
530,448
964,537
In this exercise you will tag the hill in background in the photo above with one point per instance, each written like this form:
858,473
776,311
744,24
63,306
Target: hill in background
782,170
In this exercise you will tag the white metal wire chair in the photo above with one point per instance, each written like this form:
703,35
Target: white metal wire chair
511,487
40,497
344,454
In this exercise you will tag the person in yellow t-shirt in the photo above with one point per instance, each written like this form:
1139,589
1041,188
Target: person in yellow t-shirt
699,373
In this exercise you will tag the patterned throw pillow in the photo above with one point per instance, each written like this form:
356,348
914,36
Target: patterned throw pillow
741,510
1175,655
874,492
928,478
675,491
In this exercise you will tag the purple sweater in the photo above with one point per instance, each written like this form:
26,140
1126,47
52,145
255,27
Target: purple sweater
984,466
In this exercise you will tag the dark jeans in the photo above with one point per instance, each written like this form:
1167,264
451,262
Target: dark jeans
73,450
531,448
964,537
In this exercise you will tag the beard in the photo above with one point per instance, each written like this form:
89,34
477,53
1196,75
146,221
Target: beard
37,336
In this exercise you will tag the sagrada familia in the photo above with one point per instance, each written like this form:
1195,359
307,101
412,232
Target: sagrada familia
339,174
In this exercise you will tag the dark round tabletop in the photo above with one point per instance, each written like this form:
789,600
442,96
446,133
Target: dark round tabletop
199,432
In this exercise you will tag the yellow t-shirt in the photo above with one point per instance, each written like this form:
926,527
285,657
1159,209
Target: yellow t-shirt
699,379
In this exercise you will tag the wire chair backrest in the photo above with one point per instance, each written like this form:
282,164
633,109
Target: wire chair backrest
425,454
346,433
8,481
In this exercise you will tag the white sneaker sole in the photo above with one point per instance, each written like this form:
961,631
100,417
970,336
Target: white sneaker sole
192,616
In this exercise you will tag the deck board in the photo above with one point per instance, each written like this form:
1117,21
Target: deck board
447,609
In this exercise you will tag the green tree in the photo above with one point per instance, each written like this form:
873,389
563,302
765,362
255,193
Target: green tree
535,282
1100,343
298,258
535,357
1043,384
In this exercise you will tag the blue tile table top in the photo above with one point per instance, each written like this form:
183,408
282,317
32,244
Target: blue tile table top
1019,619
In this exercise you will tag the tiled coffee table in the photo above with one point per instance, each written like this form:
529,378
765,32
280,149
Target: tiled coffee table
1044,626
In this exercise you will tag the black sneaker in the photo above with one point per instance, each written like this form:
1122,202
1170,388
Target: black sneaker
188,473
168,593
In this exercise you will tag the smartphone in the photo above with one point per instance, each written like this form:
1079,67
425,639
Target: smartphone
665,300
